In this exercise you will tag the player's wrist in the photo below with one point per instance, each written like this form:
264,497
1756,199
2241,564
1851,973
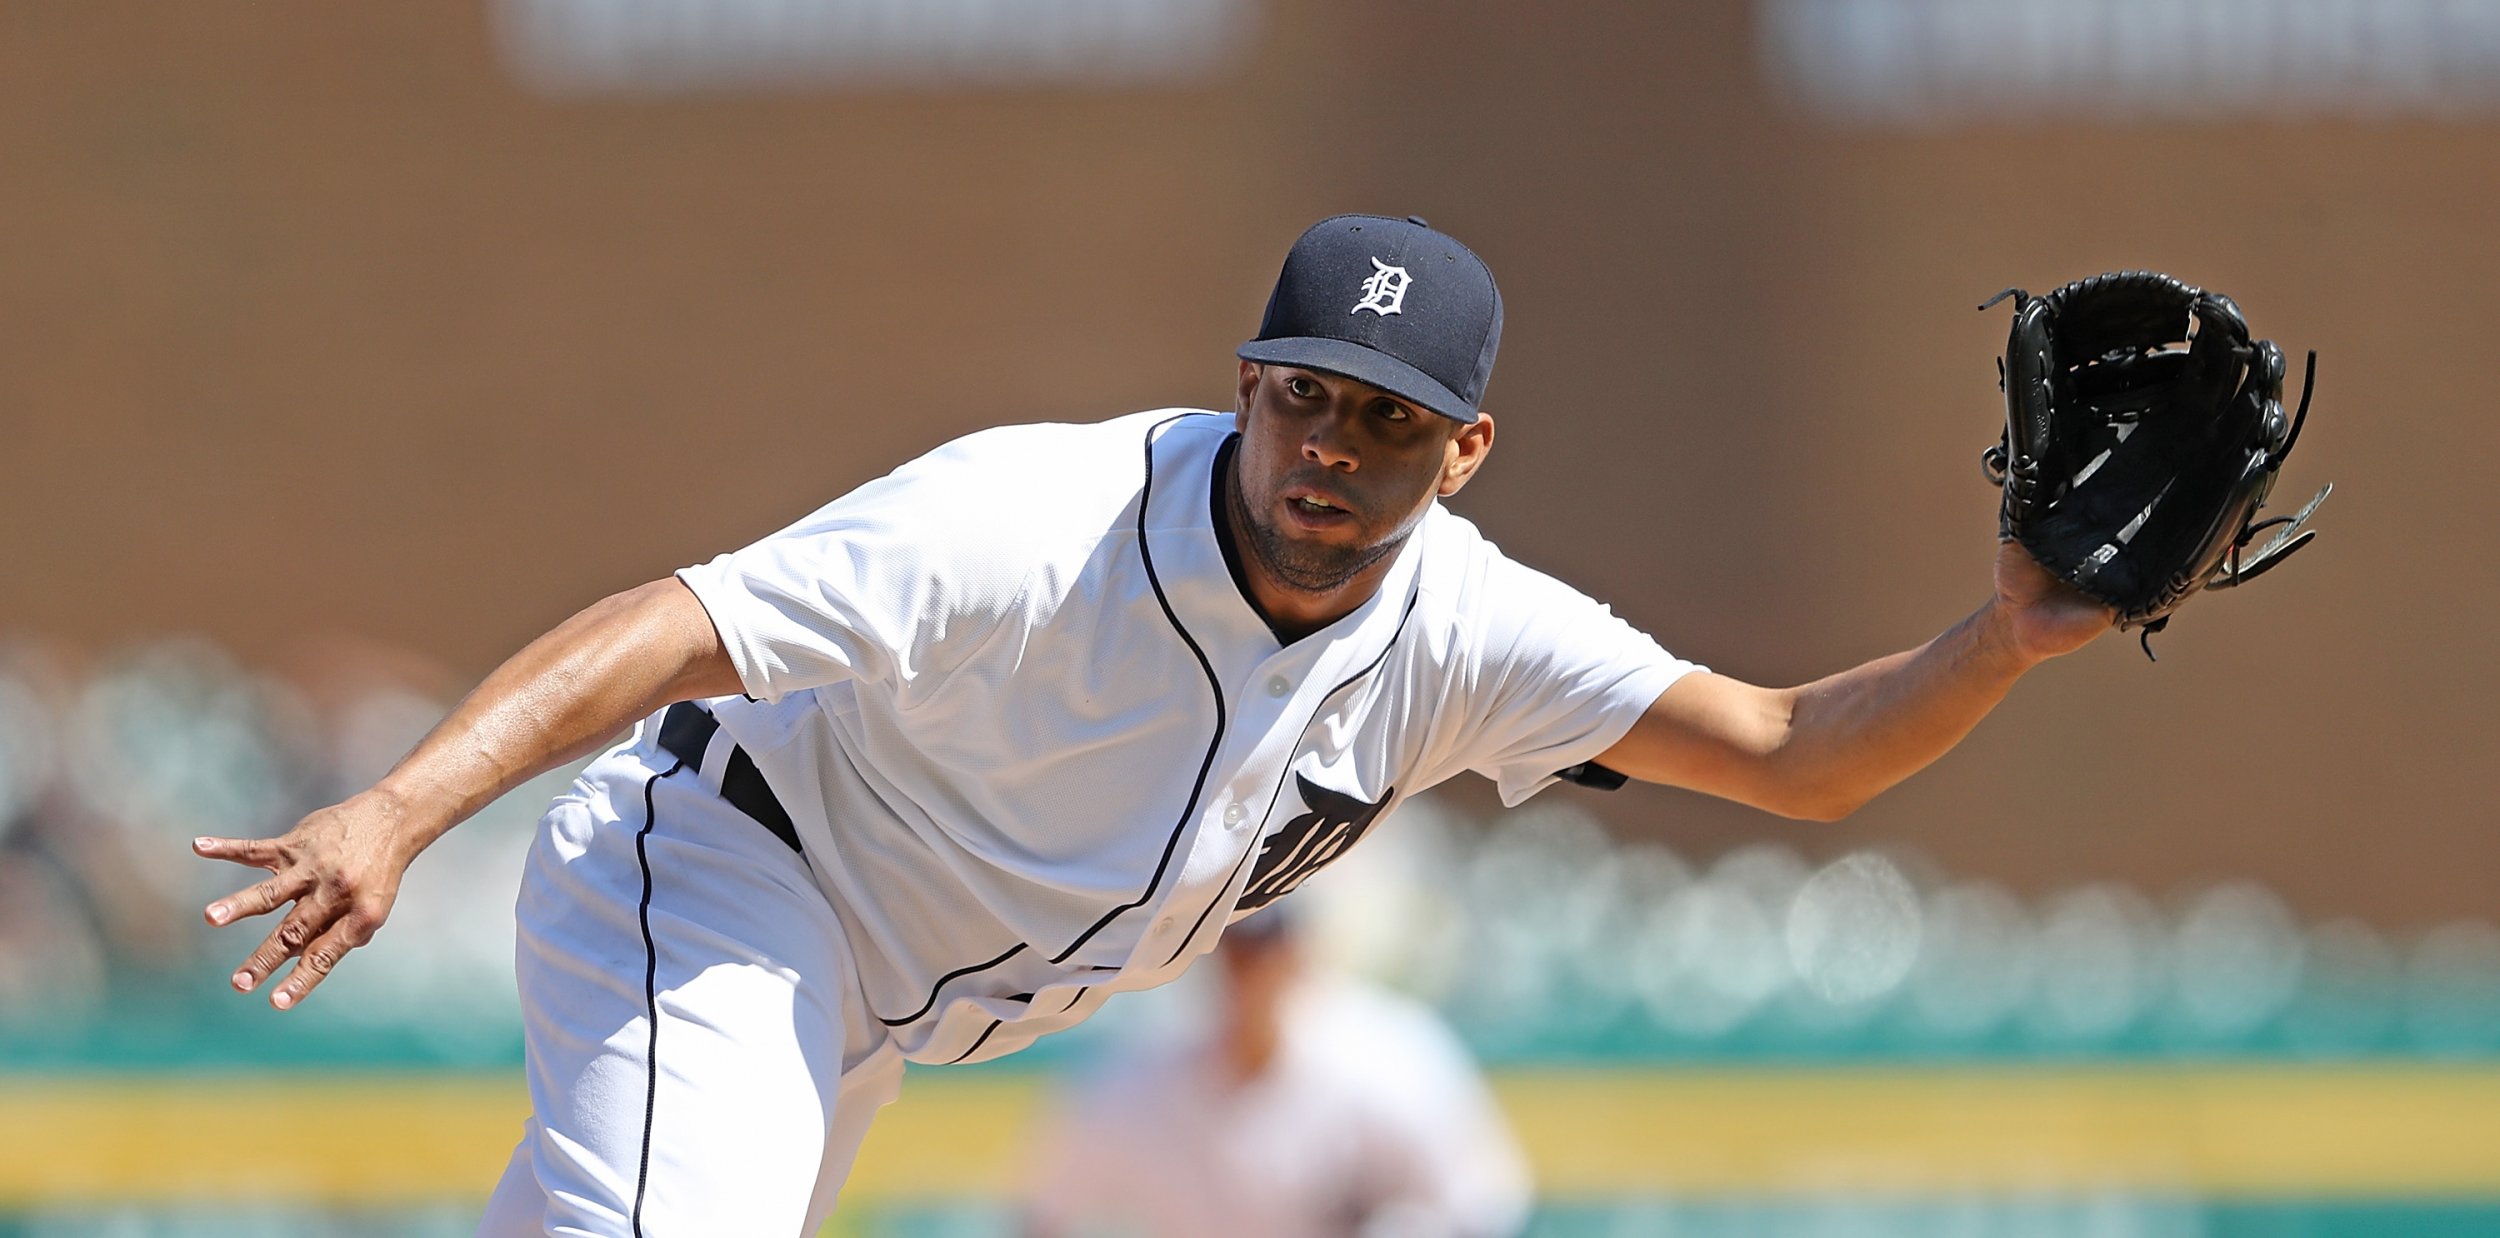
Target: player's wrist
412,816
2001,644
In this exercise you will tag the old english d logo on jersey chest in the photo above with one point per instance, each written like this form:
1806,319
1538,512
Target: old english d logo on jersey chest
1309,842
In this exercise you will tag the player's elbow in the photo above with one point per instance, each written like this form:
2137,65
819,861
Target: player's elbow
1782,795
1834,809
1817,806
1814,790
1802,780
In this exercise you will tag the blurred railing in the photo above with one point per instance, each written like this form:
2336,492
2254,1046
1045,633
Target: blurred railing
1750,1043
1539,935
1555,941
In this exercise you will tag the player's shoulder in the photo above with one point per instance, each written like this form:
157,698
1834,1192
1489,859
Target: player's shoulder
1029,483
1389,1038
1057,453
1467,582
1341,1002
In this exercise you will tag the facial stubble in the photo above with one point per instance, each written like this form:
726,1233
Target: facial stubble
1306,567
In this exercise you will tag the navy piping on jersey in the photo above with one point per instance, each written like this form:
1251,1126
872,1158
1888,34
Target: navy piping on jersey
1001,1021
983,1039
650,992
1215,687
1414,591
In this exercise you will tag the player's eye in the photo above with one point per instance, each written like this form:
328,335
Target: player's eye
1301,388
1391,410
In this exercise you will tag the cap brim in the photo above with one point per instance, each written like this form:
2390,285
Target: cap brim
1363,364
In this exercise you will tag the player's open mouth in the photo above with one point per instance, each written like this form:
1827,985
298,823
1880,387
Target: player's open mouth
1314,511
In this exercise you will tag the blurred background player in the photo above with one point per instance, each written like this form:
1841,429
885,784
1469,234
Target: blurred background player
1312,1105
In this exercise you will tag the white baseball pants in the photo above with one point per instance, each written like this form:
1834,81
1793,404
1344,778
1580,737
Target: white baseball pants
697,1059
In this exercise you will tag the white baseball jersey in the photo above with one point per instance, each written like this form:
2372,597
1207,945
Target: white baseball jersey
1039,747
1370,1120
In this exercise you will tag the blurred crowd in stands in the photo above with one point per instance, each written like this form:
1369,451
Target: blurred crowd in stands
110,764
1535,931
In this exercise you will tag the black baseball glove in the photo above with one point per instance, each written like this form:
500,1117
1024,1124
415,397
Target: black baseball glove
2143,429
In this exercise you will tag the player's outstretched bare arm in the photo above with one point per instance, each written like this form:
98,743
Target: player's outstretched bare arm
1821,750
557,700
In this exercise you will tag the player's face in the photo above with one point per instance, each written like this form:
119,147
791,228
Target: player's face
1257,974
1335,473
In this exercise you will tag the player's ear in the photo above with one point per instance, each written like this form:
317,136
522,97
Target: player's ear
1249,383
1465,453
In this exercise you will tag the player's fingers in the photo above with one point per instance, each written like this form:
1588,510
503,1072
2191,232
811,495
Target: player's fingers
308,921
352,930
258,852
260,899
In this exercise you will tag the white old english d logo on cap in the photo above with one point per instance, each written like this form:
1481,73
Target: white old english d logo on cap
1384,290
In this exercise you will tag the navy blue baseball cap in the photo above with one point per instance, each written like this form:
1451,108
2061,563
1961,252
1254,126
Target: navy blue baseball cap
1388,302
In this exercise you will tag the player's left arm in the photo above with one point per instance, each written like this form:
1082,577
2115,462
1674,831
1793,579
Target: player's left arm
1822,749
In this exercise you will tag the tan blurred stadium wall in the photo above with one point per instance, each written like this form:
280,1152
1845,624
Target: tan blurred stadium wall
313,322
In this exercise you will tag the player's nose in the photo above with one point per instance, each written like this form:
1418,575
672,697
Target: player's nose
1329,441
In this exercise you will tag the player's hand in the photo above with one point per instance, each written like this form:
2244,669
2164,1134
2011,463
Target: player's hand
2044,616
340,867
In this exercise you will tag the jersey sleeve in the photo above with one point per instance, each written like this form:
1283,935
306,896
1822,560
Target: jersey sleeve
1561,678
890,582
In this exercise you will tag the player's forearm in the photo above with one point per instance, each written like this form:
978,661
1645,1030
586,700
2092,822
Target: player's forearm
559,699
1852,735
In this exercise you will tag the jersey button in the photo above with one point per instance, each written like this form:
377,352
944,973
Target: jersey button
1232,814
1278,687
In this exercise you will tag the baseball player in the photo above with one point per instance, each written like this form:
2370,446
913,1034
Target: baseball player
1027,722
1317,1106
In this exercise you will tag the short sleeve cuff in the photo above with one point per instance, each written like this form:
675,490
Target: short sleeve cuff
1626,702
710,584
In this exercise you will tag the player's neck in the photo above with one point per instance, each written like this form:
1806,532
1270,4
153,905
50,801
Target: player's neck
1294,614
1248,1048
